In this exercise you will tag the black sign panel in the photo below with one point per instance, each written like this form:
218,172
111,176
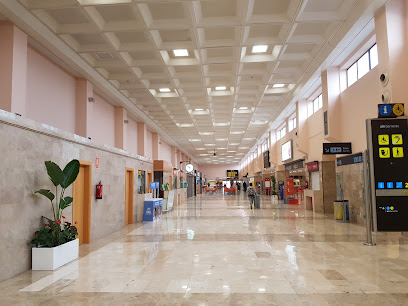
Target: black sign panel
390,163
267,164
295,165
337,148
232,173
390,110
350,159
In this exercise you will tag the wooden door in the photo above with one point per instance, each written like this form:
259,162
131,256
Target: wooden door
129,196
82,203
149,180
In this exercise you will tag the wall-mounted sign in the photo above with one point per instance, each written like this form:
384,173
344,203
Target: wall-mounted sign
232,173
97,162
350,159
337,148
312,167
295,165
287,151
390,110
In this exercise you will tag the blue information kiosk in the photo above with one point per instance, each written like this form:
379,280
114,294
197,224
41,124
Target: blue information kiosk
153,207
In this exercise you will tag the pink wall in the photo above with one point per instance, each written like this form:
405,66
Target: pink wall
362,99
50,93
132,136
102,122
214,171
165,152
149,145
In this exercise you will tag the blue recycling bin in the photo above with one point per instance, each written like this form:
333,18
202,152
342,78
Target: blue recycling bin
152,209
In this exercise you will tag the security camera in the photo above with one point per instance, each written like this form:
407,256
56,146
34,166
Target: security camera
386,97
384,78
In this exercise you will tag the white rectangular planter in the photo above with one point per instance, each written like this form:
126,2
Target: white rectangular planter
53,258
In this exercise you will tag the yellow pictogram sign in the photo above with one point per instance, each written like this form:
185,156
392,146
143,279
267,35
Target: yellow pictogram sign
385,153
383,140
398,109
397,139
398,152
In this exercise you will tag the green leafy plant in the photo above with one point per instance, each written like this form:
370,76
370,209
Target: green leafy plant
63,179
273,180
55,232
51,234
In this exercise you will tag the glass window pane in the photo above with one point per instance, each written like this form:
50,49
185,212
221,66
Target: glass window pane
320,101
290,125
283,131
316,105
294,123
352,74
363,65
374,56
310,109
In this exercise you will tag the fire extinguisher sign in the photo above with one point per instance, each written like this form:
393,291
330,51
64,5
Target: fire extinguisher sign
97,162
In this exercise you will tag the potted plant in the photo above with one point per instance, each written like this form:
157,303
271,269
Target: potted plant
274,194
55,242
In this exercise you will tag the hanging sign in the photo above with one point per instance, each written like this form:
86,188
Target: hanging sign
337,148
232,173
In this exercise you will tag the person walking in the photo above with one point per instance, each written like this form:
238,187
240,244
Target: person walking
244,186
251,194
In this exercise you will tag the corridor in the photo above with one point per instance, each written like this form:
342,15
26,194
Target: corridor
215,250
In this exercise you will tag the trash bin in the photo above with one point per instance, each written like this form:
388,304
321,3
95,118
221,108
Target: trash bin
341,210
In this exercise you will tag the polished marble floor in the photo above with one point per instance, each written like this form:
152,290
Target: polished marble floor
215,250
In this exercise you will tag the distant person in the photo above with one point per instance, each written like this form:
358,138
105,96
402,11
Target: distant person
244,186
251,194
238,186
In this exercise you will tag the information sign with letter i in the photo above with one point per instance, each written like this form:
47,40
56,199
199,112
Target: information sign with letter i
387,141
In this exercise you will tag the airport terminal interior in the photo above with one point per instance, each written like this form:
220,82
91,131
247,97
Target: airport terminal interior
203,152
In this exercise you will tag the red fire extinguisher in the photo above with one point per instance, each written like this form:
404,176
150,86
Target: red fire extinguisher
99,190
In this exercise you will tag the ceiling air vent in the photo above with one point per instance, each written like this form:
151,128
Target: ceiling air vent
104,55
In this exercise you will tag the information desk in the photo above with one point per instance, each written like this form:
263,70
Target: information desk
152,209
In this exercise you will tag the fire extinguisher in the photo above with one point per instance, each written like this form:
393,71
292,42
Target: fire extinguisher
306,185
99,190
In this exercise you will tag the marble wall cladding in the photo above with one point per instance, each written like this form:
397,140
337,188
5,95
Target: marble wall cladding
353,191
328,185
25,146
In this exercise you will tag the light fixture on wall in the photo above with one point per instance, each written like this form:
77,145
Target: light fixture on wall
91,99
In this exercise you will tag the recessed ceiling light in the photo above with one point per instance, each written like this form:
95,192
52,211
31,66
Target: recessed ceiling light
201,149
278,85
222,124
194,139
234,144
185,125
164,89
199,109
221,139
206,133
209,144
259,49
243,107
237,132
220,88
180,52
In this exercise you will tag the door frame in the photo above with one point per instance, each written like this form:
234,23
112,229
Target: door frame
149,176
87,201
130,195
